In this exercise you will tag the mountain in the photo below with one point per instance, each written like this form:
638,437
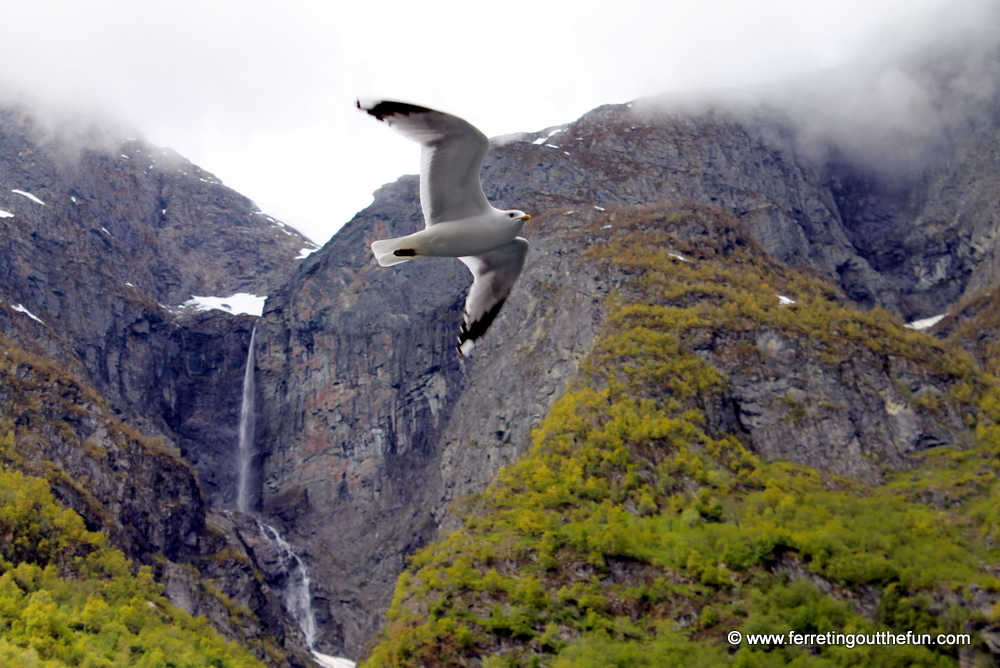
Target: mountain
372,429
743,451
701,409
117,394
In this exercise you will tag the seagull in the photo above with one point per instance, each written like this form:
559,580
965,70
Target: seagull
458,219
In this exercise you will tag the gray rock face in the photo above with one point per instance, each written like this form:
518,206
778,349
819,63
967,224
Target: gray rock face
854,418
739,155
370,414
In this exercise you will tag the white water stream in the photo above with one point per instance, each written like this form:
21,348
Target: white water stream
245,451
296,594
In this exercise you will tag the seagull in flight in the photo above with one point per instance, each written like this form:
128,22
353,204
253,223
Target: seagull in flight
458,219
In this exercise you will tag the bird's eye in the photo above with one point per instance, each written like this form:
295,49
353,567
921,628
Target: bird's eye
511,215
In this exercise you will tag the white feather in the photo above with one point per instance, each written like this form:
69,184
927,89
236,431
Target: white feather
458,219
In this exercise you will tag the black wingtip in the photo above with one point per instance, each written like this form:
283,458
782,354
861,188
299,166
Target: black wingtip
385,108
474,332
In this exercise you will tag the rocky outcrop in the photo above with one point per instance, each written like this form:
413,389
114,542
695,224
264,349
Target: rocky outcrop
854,418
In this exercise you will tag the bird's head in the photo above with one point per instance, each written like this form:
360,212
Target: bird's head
517,215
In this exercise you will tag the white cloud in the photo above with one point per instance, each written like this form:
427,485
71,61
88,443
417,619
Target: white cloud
261,93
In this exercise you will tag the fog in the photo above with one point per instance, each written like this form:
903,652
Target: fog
262,94
903,95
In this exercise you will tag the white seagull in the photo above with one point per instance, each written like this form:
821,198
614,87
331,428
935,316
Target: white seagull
458,219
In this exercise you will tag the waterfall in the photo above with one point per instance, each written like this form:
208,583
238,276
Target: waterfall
298,599
245,451
296,592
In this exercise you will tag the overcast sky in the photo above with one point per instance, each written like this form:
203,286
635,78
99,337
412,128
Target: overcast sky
262,93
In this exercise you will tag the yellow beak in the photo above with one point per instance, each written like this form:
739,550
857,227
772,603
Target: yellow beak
525,217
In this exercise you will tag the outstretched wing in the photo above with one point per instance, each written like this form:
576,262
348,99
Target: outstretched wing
451,157
494,274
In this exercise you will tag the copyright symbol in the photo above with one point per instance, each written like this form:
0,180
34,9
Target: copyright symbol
735,637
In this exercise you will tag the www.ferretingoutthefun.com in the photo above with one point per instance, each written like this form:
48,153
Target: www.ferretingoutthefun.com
849,640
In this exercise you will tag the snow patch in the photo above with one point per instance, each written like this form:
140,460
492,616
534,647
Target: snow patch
600,208
926,323
678,256
20,309
306,252
328,661
6,214
237,304
552,133
786,301
28,195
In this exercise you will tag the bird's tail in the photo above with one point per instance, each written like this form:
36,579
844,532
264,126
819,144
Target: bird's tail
393,251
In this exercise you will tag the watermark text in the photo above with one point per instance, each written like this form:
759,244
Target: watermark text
849,640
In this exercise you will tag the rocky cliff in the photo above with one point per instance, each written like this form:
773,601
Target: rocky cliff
104,239
111,387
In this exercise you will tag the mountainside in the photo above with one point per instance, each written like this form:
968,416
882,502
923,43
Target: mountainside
646,523
103,240
699,411
373,428
107,380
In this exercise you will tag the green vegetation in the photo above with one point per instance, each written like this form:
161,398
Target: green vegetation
633,533
979,331
67,596
69,599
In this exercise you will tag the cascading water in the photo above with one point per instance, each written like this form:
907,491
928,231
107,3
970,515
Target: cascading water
296,591
245,451
298,600
298,597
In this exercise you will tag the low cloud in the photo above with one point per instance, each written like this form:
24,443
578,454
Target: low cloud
906,95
